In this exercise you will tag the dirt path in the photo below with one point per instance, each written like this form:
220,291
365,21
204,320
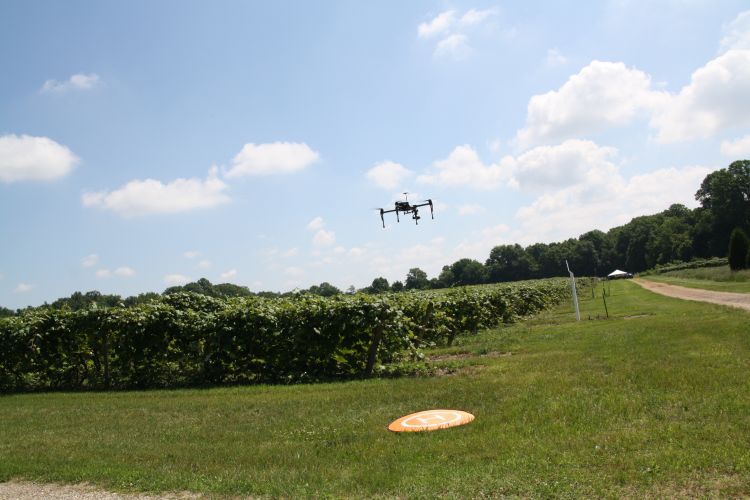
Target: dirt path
741,300
24,490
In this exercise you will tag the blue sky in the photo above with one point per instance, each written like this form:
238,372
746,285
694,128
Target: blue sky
143,144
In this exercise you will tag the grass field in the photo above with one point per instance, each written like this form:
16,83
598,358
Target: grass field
653,401
721,279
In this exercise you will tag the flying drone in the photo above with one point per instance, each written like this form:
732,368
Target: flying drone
407,208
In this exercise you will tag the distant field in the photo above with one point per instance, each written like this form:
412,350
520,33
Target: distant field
654,401
710,278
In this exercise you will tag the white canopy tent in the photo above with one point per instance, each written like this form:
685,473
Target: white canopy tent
618,274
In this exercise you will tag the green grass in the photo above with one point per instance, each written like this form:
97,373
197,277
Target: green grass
653,401
709,278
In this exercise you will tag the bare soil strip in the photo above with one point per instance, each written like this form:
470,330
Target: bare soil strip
25,490
741,300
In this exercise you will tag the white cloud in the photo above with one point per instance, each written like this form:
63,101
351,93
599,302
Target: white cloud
717,98
388,175
463,167
176,279
606,202
555,58
90,260
453,31
571,162
737,33
316,223
470,209
229,274
78,81
474,16
191,254
28,158
103,273
438,24
601,94
605,94
23,288
204,264
138,197
272,158
739,148
324,238
455,46
125,271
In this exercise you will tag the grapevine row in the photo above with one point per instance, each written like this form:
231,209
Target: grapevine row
187,339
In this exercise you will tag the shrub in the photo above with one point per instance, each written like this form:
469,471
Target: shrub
738,250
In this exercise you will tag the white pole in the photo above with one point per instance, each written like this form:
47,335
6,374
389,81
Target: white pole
573,287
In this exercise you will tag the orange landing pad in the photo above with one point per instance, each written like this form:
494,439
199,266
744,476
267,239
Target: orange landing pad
430,420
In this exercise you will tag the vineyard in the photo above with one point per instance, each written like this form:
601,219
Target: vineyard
187,339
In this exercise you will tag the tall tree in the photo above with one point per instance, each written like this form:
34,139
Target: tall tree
726,193
738,250
467,272
509,263
416,279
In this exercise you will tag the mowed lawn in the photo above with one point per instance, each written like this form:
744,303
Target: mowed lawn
653,401
719,279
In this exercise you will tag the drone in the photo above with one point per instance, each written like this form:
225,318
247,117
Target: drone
407,208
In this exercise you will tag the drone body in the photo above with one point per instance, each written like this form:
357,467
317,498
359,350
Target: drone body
407,208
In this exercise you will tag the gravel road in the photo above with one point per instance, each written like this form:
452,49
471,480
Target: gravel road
741,300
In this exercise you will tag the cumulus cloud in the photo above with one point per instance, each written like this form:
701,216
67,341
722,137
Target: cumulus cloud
738,148
150,196
23,288
29,158
737,33
324,238
229,274
125,271
571,162
315,224
78,81
191,254
717,98
601,94
176,279
273,158
463,167
388,175
606,202
204,264
103,273
606,94
90,260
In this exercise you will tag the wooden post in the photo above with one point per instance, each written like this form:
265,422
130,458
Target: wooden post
106,359
604,298
377,335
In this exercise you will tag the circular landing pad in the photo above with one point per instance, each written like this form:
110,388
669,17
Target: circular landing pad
430,420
